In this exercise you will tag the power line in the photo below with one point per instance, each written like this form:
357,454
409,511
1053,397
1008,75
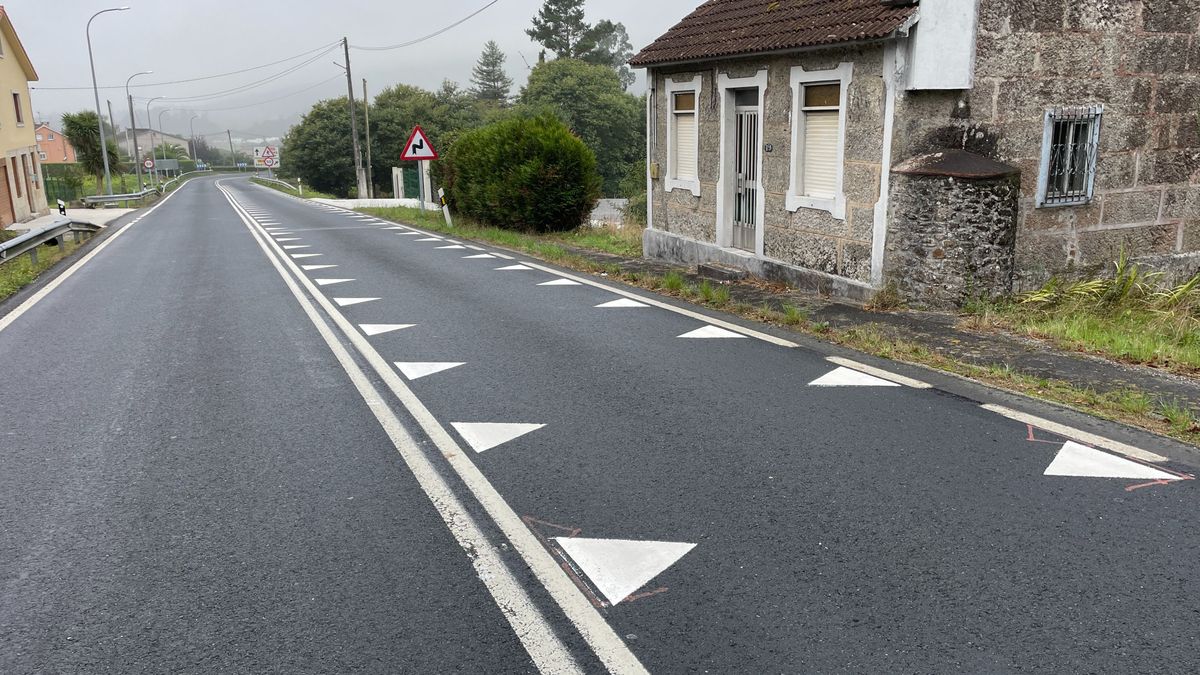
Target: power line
197,79
427,37
244,87
270,100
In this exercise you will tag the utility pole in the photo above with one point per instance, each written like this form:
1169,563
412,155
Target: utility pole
113,121
358,169
232,157
367,130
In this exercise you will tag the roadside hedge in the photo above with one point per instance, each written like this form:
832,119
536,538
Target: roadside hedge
522,173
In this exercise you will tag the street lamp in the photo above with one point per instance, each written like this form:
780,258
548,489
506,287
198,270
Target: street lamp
96,92
133,146
192,128
150,123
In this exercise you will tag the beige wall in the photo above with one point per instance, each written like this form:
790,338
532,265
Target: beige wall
17,139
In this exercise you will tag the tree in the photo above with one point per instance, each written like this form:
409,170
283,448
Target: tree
207,153
490,80
559,27
166,150
590,100
82,129
319,150
607,44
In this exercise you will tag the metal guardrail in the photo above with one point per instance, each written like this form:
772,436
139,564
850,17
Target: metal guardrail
176,179
92,200
30,241
286,184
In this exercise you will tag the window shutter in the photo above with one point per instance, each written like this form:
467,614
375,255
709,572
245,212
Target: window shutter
685,146
820,154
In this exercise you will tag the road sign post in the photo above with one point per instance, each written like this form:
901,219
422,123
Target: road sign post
419,148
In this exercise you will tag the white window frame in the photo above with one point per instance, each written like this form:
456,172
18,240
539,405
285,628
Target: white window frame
41,155
843,75
671,182
1043,189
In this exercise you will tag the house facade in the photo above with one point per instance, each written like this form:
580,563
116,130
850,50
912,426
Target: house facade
22,195
53,147
950,148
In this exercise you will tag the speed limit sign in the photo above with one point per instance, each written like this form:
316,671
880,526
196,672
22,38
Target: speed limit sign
149,163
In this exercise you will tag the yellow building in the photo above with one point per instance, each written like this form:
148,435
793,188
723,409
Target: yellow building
22,195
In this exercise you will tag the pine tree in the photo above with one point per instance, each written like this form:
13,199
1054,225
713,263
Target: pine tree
559,27
491,82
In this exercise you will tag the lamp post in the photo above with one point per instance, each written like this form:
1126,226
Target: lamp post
162,134
133,146
96,93
150,123
192,129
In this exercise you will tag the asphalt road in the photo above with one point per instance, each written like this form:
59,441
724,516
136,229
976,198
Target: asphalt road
205,483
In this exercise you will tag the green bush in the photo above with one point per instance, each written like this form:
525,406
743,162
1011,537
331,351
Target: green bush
522,173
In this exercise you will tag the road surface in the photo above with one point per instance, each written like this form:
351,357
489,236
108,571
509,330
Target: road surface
255,434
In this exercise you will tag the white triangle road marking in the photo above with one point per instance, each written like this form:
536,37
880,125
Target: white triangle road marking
381,328
483,436
711,332
848,377
430,239
623,302
291,247
618,567
477,257
451,246
298,256
330,282
310,268
406,234
397,227
513,267
283,239
1075,459
474,248
415,370
346,302
560,282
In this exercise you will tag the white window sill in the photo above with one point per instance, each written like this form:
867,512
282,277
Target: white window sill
692,186
834,206
1059,205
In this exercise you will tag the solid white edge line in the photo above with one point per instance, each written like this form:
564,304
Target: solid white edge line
34,299
595,630
1075,434
878,372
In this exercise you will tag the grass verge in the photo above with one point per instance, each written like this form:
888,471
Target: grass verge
308,194
1129,406
625,242
18,273
1130,317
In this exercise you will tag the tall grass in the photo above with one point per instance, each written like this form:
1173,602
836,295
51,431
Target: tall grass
1131,316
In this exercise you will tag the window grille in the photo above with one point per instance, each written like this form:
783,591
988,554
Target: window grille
1070,145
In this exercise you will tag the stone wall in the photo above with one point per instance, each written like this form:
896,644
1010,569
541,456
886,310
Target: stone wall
1141,60
951,239
807,238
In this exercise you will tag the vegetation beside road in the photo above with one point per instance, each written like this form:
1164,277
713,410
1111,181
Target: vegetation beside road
308,194
16,274
1130,317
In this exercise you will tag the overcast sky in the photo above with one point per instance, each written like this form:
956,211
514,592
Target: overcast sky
180,40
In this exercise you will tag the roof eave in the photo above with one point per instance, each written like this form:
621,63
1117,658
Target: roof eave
899,32
18,49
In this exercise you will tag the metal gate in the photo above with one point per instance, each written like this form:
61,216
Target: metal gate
746,186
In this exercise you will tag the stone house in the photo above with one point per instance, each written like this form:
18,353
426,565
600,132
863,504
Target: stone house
948,147
22,196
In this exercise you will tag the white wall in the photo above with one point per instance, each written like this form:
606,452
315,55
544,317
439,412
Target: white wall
942,45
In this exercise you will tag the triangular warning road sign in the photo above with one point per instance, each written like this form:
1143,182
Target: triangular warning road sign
418,146
1079,460
618,567
268,151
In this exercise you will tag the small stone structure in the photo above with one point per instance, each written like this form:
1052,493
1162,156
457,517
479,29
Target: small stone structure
953,221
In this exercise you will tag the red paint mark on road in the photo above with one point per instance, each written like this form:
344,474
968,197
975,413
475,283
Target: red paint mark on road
639,596
567,566
1034,439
